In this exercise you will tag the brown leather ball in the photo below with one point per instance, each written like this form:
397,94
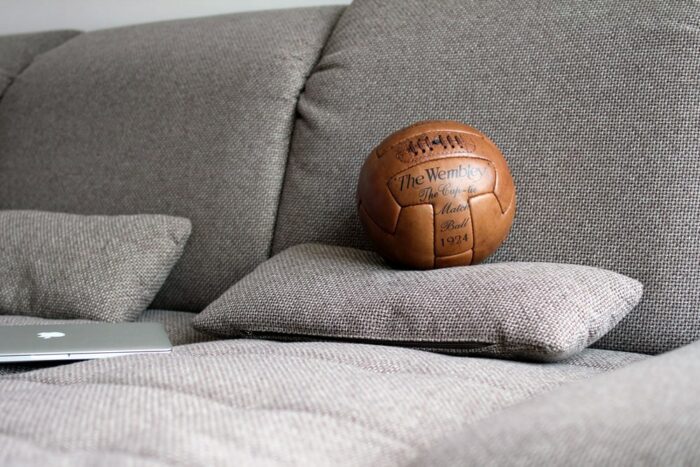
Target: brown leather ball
436,194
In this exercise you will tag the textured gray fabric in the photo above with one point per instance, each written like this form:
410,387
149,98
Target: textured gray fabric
595,105
18,51
645,414
249,402
4,82
188,118
538,311
178,325
106,268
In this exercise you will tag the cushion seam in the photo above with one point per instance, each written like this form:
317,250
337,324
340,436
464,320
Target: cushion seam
206,398
35,57
292,126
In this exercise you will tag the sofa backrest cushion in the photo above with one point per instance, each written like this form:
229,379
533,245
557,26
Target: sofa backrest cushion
17,51
187,118
595,104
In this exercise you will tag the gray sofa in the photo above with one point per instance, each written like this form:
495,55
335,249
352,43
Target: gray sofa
254,126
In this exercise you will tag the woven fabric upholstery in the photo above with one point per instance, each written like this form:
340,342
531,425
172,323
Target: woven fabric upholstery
17,51
247,402
531,310
189,118
4,83
106,268
643,415
595,105
178,325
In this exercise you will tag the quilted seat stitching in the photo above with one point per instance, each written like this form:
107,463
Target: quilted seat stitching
463,378
347,363
69,451
332,416
135,454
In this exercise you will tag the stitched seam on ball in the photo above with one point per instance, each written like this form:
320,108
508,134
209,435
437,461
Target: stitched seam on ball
440,135
471,223
360,206
458,254
432,207
472,217
396,226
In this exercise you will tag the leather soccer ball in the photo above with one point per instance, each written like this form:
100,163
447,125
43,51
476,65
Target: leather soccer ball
436,194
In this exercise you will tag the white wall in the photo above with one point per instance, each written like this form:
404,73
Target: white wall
18,16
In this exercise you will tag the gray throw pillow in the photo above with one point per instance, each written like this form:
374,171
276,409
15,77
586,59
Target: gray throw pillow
539,311
106,268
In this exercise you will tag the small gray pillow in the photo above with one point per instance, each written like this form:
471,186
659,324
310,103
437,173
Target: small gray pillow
106,268
539,311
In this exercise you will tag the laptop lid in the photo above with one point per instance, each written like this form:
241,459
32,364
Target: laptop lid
80,341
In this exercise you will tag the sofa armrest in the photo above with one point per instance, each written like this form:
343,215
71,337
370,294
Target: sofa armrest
645,414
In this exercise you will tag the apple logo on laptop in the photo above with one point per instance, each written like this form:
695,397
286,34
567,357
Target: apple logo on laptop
50,335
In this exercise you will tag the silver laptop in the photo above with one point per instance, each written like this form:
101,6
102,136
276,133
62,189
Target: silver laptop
80,341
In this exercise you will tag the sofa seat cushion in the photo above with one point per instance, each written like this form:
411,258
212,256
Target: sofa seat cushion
260,402
643,415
